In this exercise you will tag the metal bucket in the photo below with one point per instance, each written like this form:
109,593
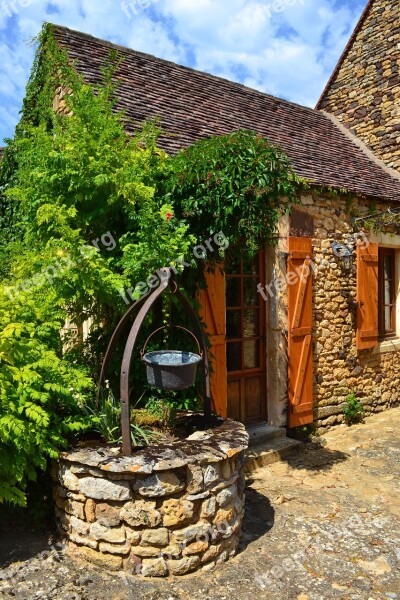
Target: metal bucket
171,369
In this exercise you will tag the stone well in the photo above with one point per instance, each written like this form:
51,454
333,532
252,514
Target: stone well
167,510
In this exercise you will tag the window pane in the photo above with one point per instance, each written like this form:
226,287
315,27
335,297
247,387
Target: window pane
251,354
251,325
234,356
388,318
388,267
232,291
250,265
251,296
388,292
233,324
232,264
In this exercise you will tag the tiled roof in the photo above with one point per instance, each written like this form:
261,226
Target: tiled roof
193,105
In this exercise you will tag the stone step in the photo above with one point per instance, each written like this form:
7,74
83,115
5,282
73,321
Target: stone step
263,433
271,452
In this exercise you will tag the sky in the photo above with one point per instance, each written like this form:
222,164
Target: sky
287,48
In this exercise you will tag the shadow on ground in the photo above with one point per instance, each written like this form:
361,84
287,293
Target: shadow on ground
259,516
314,457
19,541
22,545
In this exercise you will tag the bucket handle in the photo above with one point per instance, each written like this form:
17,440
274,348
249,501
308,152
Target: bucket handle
176,327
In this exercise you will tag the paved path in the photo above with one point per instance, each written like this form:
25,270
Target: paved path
324,525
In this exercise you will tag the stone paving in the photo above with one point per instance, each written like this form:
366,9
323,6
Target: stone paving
325,524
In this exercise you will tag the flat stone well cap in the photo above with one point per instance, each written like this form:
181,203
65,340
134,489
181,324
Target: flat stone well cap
224,441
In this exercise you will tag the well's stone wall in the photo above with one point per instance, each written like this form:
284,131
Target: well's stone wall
365,94
167,510
338,367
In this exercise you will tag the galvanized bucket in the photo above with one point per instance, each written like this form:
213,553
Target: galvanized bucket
171,369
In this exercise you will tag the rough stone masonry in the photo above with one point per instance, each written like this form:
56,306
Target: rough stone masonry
364,93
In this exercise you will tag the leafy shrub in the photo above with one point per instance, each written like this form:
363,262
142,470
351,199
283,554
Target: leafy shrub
40,395
353,410
164,409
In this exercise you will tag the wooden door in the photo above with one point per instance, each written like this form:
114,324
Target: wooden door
299,278
212,313
245,339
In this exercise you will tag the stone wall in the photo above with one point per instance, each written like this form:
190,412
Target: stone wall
59,102
166,510
338,367
365,93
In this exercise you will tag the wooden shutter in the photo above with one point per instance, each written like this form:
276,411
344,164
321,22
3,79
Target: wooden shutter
213,313
300,351
367,297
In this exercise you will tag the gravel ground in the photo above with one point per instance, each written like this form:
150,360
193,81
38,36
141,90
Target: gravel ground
324,524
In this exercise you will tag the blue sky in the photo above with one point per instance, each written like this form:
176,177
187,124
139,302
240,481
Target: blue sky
287,48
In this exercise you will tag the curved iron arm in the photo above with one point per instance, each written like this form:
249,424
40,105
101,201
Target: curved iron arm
118,333
126,366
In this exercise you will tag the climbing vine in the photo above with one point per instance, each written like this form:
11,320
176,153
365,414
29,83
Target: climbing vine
237,183
387,221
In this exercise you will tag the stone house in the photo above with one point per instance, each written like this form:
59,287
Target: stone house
317,316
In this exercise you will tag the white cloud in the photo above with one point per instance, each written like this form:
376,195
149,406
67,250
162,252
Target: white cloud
289,53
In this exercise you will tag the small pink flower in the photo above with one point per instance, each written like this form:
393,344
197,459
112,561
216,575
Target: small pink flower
168,216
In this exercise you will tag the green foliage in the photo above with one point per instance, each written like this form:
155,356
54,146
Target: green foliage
308,431
164,410
150,245
237,183
105,417
69,180
40,395
353,410
165,406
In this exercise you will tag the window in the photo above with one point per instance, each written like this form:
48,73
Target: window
387,292
245,311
